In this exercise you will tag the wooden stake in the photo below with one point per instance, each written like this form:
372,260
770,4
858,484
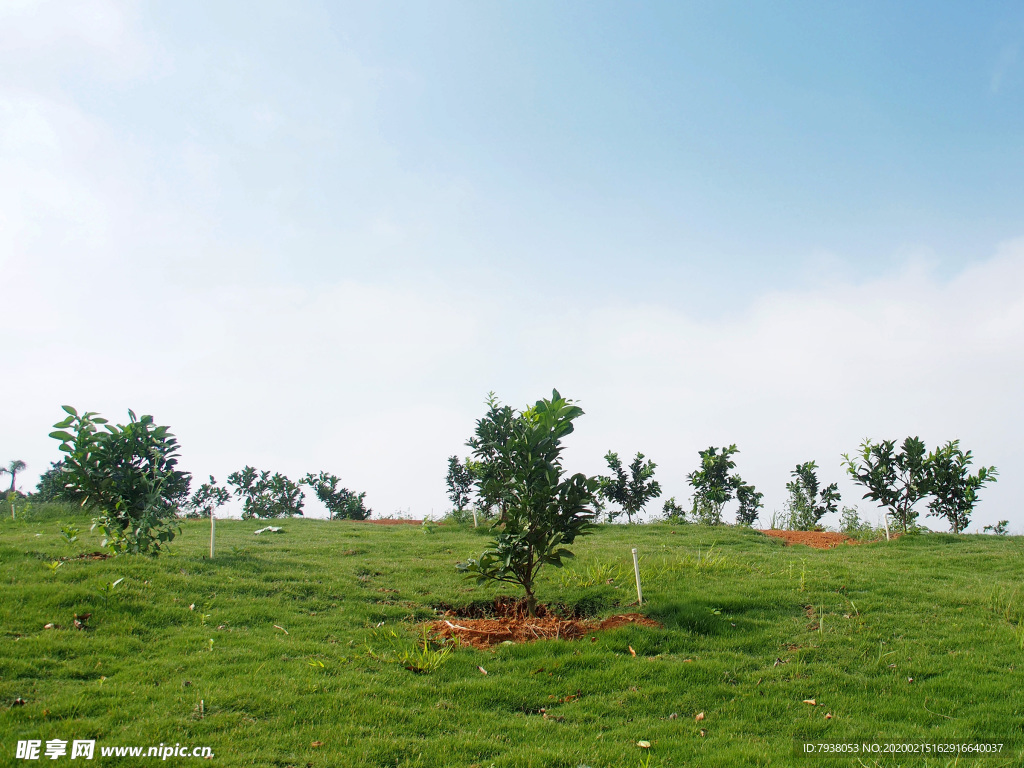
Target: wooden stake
474,517
636,570
213,527
885,517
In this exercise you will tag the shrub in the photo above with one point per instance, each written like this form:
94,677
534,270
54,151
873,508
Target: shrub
127,473
460,483
894,480
999,529
493,467
542,511
341,503
206,499
953,489
671,512
715,484
808,503
632,491
266,496
51,484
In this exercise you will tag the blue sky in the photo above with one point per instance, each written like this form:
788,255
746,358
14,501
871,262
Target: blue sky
318,234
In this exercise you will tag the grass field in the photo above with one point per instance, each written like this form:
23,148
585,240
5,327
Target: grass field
920,639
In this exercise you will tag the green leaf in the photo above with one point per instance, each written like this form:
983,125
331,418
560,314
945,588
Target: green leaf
67,437
70,410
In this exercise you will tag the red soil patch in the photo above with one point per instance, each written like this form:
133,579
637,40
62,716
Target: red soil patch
485,633
88,556
390,521
816,539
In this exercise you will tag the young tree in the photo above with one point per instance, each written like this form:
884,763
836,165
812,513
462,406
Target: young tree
672,512
999,529
750,502
492,468
850,521
895,480
341,503
127,472
206,499
12,469
715,484
808,502
460,482
51,484
632,491
712,484
953,489
543,511
265,495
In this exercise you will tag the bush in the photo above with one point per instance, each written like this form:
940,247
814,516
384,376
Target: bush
630,491
127,473
341,503
542,511
266,496
206,499
715,484
952,487
672,512
808,503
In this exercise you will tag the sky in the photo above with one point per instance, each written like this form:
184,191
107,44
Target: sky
313,236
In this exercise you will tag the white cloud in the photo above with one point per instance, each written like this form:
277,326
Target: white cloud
41,37
120,292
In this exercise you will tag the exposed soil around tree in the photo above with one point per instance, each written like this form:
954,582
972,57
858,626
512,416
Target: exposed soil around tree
508,622
391,521
816,539
88,556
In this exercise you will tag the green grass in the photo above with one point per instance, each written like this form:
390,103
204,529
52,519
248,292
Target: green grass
185,649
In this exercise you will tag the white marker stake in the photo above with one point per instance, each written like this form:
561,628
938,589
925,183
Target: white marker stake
636,570
213,526
885,517
474,517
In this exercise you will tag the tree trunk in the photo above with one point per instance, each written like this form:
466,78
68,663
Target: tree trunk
531,605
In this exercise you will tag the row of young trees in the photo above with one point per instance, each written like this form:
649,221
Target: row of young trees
894,478
128,473
715,483
516,473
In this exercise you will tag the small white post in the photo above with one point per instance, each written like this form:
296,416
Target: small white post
636,570
885,517
474,517
213,527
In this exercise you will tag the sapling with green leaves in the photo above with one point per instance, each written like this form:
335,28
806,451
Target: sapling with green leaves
266,496
750,500
543,510
460,483
341,503
951,486
715,485
107,589
69,533
208,498
672,512
1002,528
492,464
127,472
894,479
808,502
630,491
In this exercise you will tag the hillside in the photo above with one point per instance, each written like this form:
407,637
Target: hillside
264,654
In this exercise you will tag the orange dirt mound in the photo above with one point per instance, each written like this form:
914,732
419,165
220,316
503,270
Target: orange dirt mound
816,539
390,521
485,633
